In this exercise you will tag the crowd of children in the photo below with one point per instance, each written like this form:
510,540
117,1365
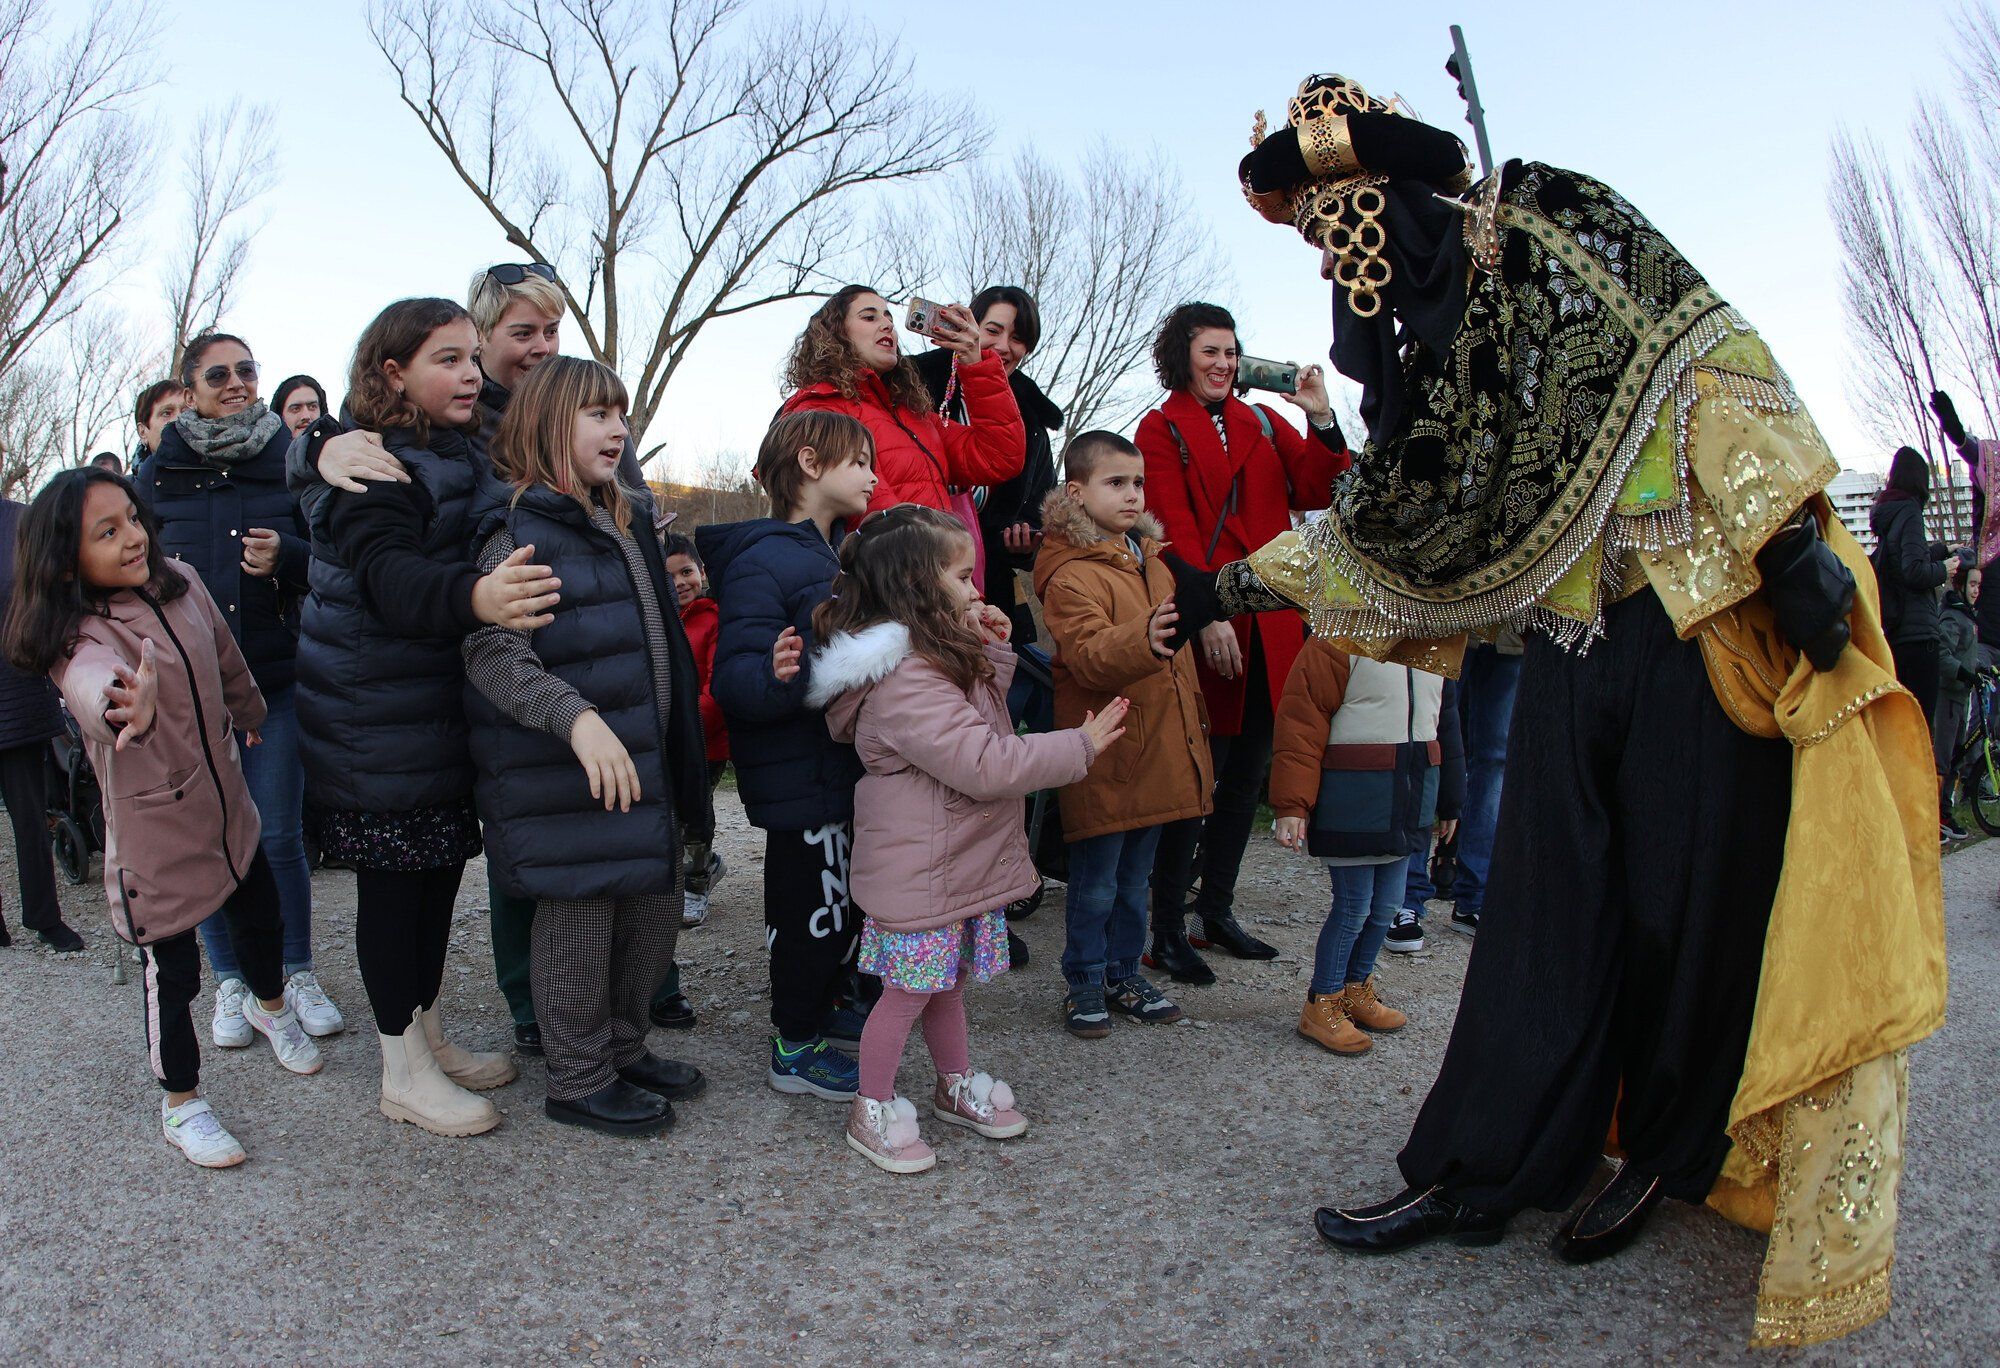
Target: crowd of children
501,651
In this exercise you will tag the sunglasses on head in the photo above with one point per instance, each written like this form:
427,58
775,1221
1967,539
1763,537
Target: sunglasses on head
218,376
511,273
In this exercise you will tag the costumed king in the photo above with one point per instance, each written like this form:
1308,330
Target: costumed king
1714,922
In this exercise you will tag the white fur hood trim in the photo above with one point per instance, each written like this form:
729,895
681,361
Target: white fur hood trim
853,660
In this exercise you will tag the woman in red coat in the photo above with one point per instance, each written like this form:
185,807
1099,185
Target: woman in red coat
1223,474
848,361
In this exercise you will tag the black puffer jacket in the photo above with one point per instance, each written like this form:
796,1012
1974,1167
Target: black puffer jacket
28,713
204,510
1908,567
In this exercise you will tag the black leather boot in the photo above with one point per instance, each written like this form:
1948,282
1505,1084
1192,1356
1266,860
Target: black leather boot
1407,1219
1611,1220
668,1077
1227,934
1171,954
617,1108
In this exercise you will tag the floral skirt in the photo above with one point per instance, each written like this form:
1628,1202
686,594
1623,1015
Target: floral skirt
931,961
435,837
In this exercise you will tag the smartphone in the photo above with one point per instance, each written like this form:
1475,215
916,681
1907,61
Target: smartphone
1254,372
926,317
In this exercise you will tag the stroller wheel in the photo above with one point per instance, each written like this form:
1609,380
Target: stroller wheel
1023,908
72,850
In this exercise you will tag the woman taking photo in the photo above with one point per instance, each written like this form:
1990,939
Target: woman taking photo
216,482
1010,515
848,361
1221,474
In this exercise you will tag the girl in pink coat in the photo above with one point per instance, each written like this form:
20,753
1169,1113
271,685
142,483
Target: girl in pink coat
149,670
914,675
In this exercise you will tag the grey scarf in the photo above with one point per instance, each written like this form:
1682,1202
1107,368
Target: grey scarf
231,439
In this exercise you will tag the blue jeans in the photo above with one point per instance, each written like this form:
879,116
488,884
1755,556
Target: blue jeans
1104,914
1485,713
1365,899
277,781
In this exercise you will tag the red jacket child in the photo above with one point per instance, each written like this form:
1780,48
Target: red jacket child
700,620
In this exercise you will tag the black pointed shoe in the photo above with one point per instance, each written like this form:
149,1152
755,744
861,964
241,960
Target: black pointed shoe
1407,1219
1173,956
528,1038
617,1108
1227,934
672,1013
668,1077
1611,1220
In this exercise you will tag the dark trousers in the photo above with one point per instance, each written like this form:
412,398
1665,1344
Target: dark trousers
809,926
402,928
513,923
1241,762
24,787
1640,839
170,974
597,961
1918,669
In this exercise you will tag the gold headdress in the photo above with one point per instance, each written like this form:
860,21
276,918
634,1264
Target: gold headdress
1340,207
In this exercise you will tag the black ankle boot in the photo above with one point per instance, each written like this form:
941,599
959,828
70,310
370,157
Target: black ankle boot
1171,954
1227,934
1609,1221
1407,1219
617,1108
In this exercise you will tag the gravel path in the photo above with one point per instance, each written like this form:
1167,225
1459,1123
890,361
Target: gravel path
1158,1209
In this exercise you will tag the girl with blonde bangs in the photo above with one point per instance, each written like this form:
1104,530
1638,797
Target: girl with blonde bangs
588,742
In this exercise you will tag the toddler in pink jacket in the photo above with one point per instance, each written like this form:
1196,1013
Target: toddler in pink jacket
914,675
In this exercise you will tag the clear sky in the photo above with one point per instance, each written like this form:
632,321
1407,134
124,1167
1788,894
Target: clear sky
1713,117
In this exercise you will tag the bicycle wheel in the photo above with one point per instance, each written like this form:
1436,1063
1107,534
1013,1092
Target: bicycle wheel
1981,785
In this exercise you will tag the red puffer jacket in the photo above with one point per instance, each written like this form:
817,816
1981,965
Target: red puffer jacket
701,620
1188,493
918,454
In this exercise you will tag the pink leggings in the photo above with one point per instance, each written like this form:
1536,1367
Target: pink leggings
888,1030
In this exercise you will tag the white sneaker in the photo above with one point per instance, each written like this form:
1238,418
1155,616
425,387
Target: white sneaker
315,1009
229,1029
289,1041
694,911
192,1129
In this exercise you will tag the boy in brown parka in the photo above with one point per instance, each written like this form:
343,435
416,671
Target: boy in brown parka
1108,601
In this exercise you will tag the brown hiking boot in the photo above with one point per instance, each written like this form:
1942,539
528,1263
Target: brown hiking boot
1324,1022
1366,1010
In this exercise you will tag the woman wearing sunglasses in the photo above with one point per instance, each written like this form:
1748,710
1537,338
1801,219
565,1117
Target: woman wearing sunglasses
216,482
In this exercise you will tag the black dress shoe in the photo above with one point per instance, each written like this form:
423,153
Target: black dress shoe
1609,1221
1226,933
617,1108
1173,956
528,1039
5,939
672,1013
1017,952
61,939
1409,1218
666,1077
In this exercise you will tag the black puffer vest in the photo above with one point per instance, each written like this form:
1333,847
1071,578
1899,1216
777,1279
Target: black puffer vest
546,837
381,717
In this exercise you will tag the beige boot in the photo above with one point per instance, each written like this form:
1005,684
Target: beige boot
1324,1022
415,1090
478,1070
1368,1012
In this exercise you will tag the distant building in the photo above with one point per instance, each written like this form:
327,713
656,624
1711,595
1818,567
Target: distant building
1947,517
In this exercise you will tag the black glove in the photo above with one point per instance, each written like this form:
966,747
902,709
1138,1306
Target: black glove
1275,164
1811,591
1195,600
1947,415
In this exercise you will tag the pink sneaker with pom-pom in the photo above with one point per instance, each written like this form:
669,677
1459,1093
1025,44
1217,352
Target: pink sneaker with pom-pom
886,1134
979,1102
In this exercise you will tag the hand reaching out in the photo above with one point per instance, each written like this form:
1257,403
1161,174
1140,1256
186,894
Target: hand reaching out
516,594
1105,727
131,696
785,652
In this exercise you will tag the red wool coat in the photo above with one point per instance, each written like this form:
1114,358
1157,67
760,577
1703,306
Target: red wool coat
1274,476
702,620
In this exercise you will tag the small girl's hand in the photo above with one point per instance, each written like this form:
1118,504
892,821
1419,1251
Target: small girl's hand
1105,727
994,627
251,738
785,652
608,765
515,594
1292,833
131,696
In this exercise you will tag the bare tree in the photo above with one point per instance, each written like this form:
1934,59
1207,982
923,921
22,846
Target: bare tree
71,152
71,398
697,165
227,166
1106,252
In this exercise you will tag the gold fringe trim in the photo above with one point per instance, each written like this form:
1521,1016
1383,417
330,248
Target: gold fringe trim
1783,1321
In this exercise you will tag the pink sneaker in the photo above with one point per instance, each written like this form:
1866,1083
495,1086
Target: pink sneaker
979,1102
886,1133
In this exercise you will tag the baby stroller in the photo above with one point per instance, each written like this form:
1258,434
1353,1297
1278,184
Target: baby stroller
76,809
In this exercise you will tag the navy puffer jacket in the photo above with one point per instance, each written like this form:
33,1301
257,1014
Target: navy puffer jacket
204,511
546,837
768,575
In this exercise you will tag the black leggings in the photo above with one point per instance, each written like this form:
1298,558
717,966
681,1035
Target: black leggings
1241,762
401,929
171,975
1919,670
